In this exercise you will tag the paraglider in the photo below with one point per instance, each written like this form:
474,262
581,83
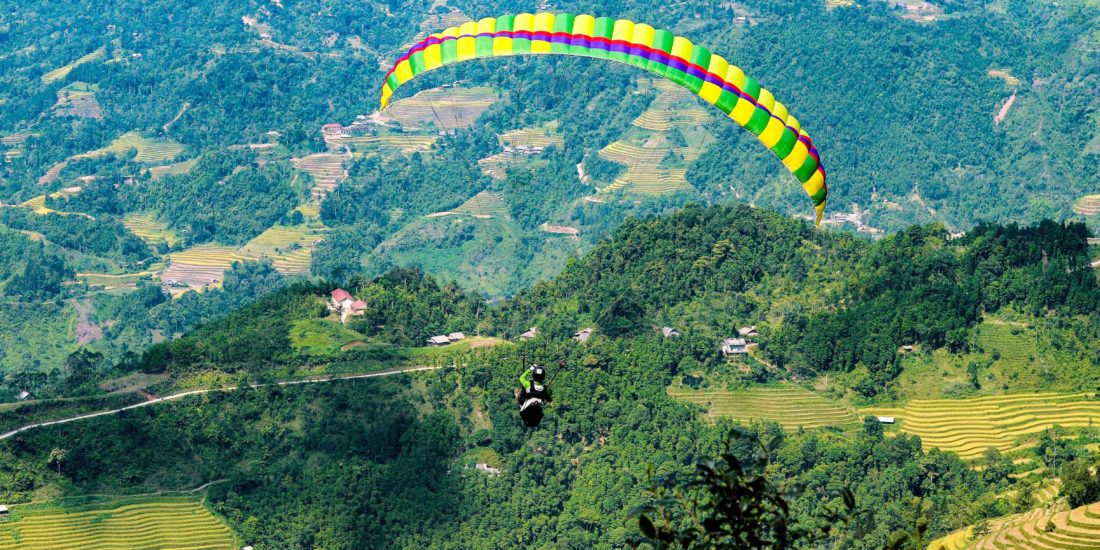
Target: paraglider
676,58
534,392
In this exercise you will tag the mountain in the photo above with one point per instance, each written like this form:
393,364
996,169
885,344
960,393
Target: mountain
391,462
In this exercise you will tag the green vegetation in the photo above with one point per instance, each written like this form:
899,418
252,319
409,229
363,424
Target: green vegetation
321,337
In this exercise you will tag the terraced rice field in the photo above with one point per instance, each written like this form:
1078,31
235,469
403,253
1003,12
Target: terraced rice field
149,228
405,144
61,72
140,522
970,426
327,170
199,266
288,248
148,151
1088,205
791,406
445,108
1076,529
1004,75
646,170
1016,345
545,136
485,203
496,166
158,172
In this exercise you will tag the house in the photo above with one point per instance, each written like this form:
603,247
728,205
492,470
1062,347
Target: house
582,335
486,468
3,510
747,332
669,331
23,395
340,299
906,349
734,346
438,341
456,336
885,419
332,128
358,307
531,333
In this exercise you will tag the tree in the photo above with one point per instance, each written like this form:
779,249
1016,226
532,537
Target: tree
57,456
728,504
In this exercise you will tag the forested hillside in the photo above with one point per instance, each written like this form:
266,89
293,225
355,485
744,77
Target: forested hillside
391,462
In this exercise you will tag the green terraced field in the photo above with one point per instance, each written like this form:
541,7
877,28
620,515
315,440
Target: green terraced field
970,426
322,337
148,151
61,72
149,228
485,203
138,522
791,406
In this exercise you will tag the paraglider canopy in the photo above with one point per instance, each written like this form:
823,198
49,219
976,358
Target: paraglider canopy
676,58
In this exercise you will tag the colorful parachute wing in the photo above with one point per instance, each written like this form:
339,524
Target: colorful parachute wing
694,67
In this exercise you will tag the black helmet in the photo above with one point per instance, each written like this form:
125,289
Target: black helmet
538,374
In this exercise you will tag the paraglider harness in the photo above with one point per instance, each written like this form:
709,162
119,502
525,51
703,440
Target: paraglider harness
533,395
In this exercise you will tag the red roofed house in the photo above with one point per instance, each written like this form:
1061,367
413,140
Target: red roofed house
346,304
340,299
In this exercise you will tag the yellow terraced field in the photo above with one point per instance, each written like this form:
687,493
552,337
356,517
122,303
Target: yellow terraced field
791,406
970,426
445,108
1077,529
140,522
148,150
158,172
288,248
1087,206
327,170
544,136
149,228
387,144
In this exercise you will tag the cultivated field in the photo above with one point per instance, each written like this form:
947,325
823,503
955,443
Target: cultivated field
386,144
484,204
1004,75
288,248
198,267
791,406
149,228
78,100
1088,205
1076,529
145,522
445,108
61,72
158,172
544,136
148,151
970,426
655,165
327,170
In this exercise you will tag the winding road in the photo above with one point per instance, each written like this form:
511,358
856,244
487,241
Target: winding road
335,378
